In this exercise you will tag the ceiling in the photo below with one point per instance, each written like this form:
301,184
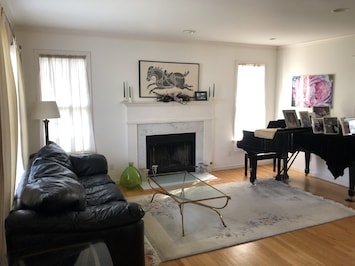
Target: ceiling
265,22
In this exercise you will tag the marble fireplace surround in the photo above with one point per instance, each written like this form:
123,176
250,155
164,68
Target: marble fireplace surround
144,119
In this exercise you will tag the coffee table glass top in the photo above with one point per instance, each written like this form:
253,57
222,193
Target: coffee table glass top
185,187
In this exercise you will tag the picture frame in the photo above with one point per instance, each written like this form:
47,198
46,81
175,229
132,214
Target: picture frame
321,111
200,95
291,118
305,118
312,90
331,125
158,78
345,126
317,125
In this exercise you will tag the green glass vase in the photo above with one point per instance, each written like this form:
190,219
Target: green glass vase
131,177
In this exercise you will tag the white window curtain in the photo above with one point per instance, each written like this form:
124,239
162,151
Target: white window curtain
250,99
64,79
22,147
8,131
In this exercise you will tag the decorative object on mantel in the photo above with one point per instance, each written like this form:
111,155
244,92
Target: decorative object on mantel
177,97
127,92
156,76
211,97
200,95
131,177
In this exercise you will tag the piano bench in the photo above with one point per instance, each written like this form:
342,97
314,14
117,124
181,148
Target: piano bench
260,156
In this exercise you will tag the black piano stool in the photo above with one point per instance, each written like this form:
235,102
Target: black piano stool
259,156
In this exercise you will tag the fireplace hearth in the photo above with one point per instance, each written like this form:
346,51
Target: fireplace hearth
171,152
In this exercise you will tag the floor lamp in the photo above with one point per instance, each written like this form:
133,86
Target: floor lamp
44,110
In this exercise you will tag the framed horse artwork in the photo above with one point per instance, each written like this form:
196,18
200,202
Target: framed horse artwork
158,78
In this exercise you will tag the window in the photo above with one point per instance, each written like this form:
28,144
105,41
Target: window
64,79
250,99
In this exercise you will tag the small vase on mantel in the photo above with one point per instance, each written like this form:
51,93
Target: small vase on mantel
131,177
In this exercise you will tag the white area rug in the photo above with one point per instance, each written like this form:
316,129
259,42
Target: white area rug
203,176
254,212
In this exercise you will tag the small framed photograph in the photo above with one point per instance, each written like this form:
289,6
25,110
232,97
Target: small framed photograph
345,127
201,95
331,125
317,125
291,118
305,119
321,111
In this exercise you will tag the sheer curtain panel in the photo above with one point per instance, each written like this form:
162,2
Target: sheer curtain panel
8,131
64,79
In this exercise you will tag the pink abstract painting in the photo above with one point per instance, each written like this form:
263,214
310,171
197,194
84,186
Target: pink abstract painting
312,90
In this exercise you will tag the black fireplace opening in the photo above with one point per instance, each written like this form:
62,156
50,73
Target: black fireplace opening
171,152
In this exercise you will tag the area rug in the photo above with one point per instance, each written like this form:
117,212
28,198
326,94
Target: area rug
255,211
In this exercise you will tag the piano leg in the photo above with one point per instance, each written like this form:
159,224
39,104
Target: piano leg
351,191
253,166
278,175
307,156
282,174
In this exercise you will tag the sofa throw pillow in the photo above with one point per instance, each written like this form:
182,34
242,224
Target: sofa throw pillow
50,194
89,164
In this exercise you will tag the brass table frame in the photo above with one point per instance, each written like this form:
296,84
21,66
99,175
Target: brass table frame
189,183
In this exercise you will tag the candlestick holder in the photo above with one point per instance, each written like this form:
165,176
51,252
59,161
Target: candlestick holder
154,169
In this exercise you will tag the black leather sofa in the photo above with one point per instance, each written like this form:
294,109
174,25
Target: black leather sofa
65,200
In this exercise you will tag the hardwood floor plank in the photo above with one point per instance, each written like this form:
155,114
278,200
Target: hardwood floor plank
328,244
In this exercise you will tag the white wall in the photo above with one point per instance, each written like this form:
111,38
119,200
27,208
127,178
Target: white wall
114,60
335,56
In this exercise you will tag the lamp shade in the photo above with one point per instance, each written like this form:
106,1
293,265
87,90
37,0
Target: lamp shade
45,109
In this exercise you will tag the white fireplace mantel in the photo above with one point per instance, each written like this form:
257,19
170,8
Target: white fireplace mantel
160,112
173,114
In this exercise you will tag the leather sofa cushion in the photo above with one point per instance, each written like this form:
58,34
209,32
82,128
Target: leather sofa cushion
88,164
53,194
100,189
44,167
53,161
55,153
52,184
109,215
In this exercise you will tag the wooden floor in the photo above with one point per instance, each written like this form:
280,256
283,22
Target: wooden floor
328,244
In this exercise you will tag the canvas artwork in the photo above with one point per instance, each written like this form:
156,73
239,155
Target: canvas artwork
312,90
160,78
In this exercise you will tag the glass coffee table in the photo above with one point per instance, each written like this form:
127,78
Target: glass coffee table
184,187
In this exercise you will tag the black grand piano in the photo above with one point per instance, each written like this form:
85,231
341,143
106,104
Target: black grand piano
337,150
